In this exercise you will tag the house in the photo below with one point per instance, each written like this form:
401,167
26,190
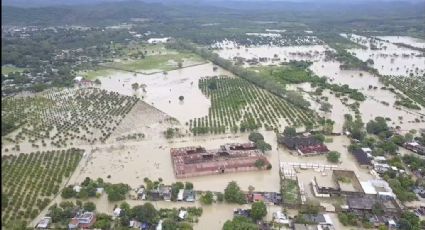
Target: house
305,145
415,147
182,214
362,158
44,223
273,198
77,188
165,192
305,227
180,195
158,40
117,212
159,226
134,224
78,78
189,195
366,204
242,212
99,190
155,194
321,219
84,220
140,192
342,182
281,218
381,168
257,197
73,224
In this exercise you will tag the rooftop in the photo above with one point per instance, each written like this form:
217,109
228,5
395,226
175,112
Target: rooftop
196,160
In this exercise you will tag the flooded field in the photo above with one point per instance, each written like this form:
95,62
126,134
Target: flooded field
273,54
131,162
163,90
376,104
388,58
416,42
378,98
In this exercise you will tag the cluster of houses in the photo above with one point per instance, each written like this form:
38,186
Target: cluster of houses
315,222
269,198
379,164
415,147
81,220
305,145
163,192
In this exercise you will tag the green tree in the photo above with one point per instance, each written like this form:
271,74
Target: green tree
255,136
259,163
89,206
258,210
207,198
188,185
103,221
263,146
233,193
135,86
377,126
145,213
239,223
289,131
68,192
333,156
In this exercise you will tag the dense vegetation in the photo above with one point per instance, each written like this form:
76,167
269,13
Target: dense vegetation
61,117
237,105
30,181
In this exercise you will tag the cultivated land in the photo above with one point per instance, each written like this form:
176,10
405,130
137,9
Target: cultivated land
209,85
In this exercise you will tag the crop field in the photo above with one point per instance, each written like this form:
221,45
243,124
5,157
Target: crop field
30,181
63,117
237,105
413,87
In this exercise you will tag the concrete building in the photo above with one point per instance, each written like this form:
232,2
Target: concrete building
197,161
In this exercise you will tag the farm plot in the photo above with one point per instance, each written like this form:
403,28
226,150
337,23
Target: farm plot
413,87
30,181
237,105
63,117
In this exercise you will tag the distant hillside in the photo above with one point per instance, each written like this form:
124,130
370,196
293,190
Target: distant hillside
99,14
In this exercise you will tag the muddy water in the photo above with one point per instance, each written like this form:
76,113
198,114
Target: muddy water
163,90
390,59
133,161
287,53
416,42
373,106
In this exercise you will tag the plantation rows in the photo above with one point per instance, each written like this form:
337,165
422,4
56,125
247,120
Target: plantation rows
237,105
413,87
29,181
64,116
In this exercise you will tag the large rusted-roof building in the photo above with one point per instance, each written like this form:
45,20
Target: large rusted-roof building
197,161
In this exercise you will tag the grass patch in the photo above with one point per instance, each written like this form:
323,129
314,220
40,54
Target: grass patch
163,62
290,192
11,69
